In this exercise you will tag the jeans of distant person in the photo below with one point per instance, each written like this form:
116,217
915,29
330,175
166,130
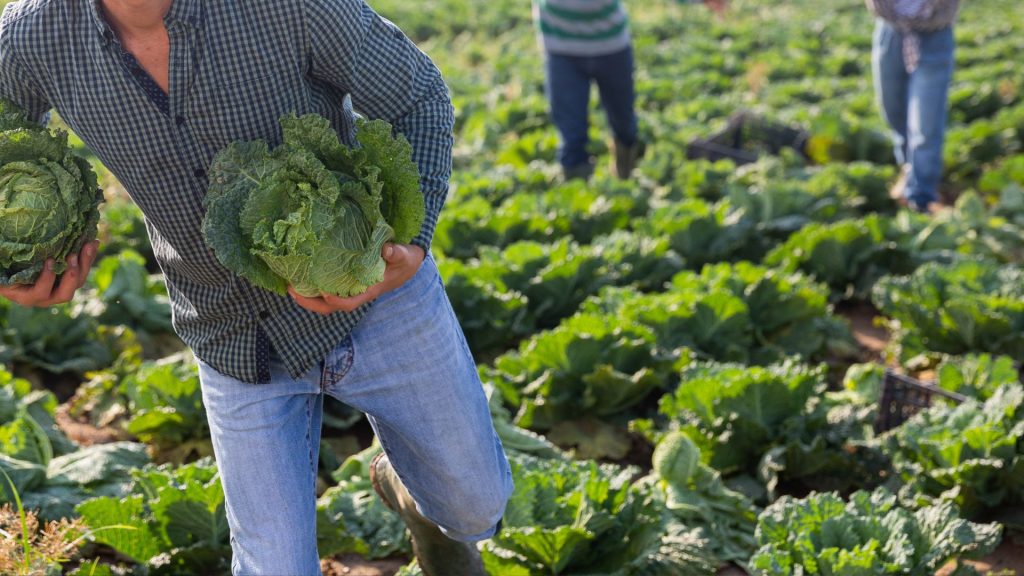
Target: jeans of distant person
914,104
407,366
568,89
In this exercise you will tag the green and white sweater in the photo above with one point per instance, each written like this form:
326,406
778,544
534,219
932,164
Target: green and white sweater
582,27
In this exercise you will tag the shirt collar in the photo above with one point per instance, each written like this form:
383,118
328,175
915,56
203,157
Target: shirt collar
187,12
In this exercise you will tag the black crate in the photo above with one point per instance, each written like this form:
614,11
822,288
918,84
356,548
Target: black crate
744,136
903,396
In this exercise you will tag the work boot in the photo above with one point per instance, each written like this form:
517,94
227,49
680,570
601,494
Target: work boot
437,554
625,157
580,171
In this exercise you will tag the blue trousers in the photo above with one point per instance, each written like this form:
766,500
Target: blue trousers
408,368
913,104
568,89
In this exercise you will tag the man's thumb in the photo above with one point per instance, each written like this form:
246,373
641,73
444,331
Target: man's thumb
390,253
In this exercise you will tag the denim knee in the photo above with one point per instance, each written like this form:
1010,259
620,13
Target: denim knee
475,514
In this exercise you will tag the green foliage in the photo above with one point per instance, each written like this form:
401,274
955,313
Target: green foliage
868,535
957,309
742,313
697,497
581,518
586,367
55,488
734,413
177,520
313,213
28,431
971,454
977,375
57,339
158,402
850,256
352,518
49,199
124,293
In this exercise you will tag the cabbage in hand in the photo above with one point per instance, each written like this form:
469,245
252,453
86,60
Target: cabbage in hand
313,213
49,199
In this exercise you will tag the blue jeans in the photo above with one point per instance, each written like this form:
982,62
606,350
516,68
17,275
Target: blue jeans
914,104
568,89
408,368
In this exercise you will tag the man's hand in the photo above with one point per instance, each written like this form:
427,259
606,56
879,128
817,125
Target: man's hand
43,292
401,263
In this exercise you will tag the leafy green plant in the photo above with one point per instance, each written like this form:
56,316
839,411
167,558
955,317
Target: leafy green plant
971,454
124,293
697,497
53,490
313,213
177,519
584,368
581,518
158,402
49,199
849,256
871,534
957,309
977,375
352,518
57,339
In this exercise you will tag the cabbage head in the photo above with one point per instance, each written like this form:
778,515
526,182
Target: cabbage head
313,213
49,199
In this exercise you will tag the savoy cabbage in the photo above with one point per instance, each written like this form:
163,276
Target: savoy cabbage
313,213
49,199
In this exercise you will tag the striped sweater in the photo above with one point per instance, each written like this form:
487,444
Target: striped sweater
582,27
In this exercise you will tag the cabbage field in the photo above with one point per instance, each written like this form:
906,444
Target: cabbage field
686,368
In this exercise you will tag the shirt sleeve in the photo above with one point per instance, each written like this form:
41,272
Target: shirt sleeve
16,82
388,77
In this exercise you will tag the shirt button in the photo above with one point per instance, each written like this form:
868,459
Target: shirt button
264,314
200,173
179,120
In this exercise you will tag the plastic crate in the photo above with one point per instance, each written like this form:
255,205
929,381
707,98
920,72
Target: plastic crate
746,130
903,396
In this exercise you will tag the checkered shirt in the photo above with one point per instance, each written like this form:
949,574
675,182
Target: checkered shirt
235,68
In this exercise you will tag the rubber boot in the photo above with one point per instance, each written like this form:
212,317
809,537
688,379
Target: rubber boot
437,554
624,158
581,171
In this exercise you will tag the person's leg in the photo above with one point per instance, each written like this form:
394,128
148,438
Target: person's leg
568,89
929,89
614,75
266,440
891,85
410,370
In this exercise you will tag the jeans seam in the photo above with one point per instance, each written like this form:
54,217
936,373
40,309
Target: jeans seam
331,377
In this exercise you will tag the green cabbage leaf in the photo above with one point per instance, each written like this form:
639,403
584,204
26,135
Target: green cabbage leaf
313,213
49,199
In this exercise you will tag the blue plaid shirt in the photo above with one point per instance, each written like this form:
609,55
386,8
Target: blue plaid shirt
235,68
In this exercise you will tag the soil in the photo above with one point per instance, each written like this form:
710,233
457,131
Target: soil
869,335
354,565
85,433
1007,559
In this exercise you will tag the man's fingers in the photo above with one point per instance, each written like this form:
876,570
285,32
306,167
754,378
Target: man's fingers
69,281
86,259
390,252
43,288
352,302
312,304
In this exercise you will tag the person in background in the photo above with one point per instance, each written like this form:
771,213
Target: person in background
587,41
912,64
